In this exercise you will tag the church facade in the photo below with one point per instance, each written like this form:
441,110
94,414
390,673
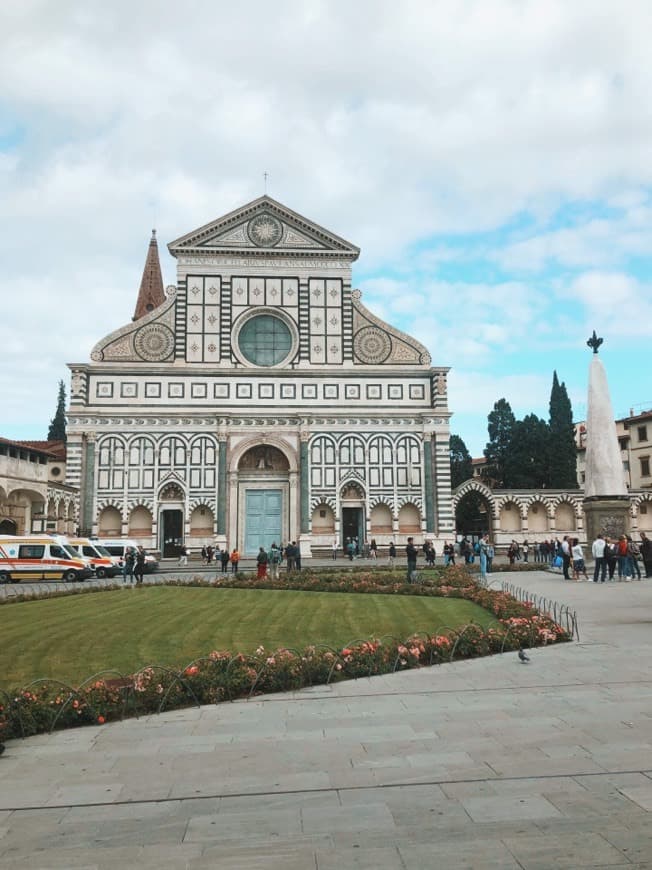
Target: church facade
258,400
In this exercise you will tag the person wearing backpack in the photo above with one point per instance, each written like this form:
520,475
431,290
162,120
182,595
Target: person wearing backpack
274,561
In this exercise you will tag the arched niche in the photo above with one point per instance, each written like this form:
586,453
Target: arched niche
381,520
409,519
565,520
510,517
109,523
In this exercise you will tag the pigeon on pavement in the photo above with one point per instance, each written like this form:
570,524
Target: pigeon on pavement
523,656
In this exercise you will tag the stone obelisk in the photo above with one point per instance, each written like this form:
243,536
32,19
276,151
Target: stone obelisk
606,502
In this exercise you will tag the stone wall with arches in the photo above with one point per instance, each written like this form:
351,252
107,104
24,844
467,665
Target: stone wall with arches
382,474
543,514
136,474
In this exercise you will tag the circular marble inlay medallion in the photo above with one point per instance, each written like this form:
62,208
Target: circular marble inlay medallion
154,342
265,230
371,345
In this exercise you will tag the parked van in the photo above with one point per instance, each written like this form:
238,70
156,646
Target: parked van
104,564
36,557
119,546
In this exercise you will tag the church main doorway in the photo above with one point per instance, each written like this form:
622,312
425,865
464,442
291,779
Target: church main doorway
263,492
263,519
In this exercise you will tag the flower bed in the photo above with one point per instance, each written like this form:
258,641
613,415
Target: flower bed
223,676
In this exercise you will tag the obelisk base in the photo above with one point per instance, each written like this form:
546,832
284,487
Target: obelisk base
606,516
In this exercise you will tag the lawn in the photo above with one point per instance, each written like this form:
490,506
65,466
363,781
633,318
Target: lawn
72,638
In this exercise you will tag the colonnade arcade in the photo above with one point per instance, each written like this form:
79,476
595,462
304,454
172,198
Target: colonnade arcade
536,515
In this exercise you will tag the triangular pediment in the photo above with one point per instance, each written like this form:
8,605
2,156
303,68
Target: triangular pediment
263,226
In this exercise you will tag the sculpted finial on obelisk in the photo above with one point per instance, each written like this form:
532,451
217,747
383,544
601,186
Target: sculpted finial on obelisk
595,342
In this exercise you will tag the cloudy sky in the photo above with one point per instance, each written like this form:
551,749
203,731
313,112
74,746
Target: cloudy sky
492,159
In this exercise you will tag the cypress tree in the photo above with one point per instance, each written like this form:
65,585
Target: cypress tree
562,449
461,465
527,459
57,430
500,423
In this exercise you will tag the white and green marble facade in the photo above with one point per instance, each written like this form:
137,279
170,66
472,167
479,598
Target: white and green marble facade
172,415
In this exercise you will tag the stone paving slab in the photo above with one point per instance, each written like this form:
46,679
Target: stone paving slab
484,763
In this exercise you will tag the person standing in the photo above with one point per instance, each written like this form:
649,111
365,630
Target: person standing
646,553
139,567
411,553
373,549
289,556
128,565
525,550
483,546
565,556
392,553
261,560
610,557
597,551
633,555
334,546
297,556
235,558
578,561
274,561
183,556
224,559
622,558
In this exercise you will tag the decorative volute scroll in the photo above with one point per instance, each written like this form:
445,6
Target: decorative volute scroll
148,339
377,343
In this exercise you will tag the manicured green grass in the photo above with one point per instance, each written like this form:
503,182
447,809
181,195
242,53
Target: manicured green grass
72,638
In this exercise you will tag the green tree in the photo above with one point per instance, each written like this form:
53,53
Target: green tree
501,422
57,430
526,465
472,516
461,464
562,448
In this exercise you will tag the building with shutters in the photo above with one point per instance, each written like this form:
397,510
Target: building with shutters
258,400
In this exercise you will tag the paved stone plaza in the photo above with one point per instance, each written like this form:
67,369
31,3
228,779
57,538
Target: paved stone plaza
478,764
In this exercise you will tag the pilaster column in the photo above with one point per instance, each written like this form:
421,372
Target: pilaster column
87,488
304,484
221,486
428,483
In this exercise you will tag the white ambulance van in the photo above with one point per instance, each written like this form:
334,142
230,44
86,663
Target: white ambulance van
35,557
103,563
118,547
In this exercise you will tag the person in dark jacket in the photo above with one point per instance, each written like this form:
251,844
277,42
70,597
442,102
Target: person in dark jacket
646,553
139,567
411,552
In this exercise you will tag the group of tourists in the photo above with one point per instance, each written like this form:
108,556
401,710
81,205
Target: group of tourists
133,565
220,557
269,561
610,555
622,554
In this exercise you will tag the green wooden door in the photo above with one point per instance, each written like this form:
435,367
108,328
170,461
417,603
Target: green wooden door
263,519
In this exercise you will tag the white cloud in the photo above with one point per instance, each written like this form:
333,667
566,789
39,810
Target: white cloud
592,242
618,302
389,123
